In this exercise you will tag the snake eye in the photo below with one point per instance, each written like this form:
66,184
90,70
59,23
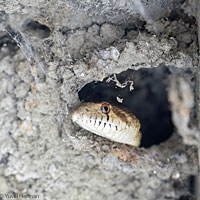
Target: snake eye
105,108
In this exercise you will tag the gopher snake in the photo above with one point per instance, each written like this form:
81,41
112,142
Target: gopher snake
109,121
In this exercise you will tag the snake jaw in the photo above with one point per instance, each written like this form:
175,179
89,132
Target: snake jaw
118,124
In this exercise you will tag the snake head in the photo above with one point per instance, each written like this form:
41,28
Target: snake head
109,121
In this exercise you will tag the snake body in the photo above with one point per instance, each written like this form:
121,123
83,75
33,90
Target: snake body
109,121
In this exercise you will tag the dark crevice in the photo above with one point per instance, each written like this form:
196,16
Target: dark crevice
34,28
9,43
148,101
192,180
179,14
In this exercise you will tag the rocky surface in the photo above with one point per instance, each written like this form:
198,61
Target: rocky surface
50,50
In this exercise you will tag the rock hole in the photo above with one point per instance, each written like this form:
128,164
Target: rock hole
7,42
35,29
192,184
148,101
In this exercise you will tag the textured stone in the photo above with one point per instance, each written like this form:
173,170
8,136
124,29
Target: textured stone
61,45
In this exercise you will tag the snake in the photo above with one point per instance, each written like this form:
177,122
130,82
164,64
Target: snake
115,123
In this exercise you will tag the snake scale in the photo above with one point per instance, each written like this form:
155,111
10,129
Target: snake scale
109,121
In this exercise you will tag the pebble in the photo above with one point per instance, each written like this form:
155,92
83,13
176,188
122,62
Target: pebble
175,175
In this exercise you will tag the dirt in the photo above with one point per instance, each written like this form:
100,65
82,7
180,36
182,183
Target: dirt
54,55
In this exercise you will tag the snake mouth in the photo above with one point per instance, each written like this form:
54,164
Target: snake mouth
75,117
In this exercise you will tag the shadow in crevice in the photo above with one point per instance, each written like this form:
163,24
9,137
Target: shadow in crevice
148,101
36,29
